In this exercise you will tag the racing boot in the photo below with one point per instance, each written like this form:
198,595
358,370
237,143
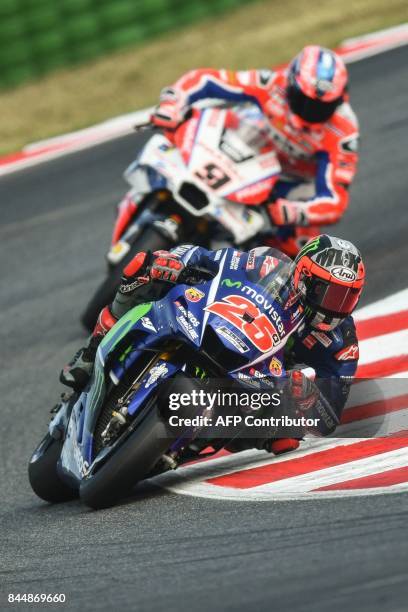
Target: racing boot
78,371
279,446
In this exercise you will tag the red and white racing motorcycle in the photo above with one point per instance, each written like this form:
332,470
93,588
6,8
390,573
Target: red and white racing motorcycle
205,183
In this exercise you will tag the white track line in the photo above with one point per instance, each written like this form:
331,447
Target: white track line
339,473
247,460
389,305
191,480
375,390
383,347
377,426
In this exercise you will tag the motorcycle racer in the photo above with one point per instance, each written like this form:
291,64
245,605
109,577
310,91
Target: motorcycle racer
327,278
313,126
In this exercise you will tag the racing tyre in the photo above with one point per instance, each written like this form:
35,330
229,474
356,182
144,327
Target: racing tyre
151,240
132,462
137,456
43,475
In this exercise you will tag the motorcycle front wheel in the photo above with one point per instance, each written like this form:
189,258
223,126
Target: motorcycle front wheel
134,459
43,475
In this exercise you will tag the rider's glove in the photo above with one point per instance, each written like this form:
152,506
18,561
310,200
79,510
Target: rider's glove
283,212
166,267
303,390
145,267
170,111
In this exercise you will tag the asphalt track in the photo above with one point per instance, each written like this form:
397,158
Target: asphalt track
160,551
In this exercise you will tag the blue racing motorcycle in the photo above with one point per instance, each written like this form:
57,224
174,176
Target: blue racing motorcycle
232,326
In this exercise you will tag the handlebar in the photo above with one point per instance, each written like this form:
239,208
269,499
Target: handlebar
194,275
149,125
142,127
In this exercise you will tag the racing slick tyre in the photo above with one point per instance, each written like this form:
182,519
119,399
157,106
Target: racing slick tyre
132,462
145,442
43,475
151,240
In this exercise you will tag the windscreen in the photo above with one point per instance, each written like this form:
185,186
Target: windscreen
246,132
275,278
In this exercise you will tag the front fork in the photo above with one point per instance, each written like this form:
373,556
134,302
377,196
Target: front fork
133,217
126,210
61,412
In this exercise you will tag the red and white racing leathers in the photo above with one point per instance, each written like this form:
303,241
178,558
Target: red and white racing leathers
318,160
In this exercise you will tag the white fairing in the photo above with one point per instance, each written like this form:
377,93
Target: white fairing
220,163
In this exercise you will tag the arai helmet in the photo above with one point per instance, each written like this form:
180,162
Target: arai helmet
329,277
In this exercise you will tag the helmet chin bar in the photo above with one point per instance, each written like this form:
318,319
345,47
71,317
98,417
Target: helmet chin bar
324,322
308,110
330,275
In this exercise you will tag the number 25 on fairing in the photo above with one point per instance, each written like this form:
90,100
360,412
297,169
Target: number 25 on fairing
260,331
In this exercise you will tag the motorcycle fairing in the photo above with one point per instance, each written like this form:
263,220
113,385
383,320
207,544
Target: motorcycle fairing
181,316
134,332
202,175
122,246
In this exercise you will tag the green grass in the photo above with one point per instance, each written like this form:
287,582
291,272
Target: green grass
259,34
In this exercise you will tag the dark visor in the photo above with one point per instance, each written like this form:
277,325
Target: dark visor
313,111
332,298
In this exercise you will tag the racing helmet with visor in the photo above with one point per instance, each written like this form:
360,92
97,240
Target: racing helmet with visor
317,82
329,276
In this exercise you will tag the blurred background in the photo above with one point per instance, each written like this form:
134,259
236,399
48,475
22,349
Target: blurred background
65,64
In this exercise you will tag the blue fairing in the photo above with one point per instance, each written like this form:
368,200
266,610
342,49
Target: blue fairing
185,314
